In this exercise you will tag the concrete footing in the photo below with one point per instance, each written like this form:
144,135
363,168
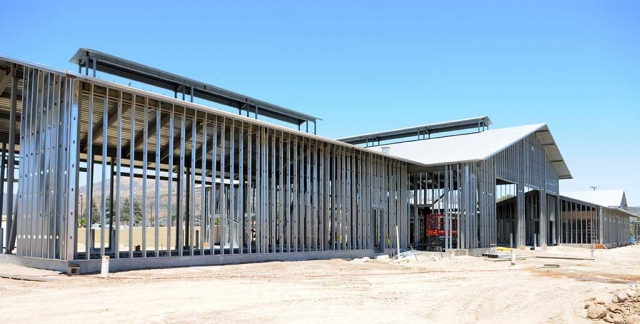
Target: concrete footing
93,266
461,252
55,265
590,246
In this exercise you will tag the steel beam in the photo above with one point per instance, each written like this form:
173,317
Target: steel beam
131,171
170,173
99,128
11,224
140,139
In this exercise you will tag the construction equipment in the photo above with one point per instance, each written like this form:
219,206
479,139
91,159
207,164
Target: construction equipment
436,232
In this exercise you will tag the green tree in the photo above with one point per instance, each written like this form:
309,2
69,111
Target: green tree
107,209
137,212
95,213
125,210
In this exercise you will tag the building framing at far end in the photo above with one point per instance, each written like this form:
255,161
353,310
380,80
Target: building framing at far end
596,217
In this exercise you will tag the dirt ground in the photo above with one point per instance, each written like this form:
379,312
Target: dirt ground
429,290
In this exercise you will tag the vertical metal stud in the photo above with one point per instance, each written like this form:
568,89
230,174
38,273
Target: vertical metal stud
156,212
203,185
307,196
250,203
334,188
266,221
315,203
273,227
214,189
192,182
170,176
145,163
296,213
116,246
258,190
181,186
241,207
281,206
105,142
232,197
322,199
288,195
223,201
131,174
343,199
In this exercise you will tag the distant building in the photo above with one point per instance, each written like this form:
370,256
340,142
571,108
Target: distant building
596,217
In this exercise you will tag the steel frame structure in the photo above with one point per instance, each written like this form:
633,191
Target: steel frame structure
240,189
95,61
422,131
635,227
585,223
468,190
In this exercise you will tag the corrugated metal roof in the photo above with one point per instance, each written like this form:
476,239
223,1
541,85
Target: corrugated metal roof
476,147
604,198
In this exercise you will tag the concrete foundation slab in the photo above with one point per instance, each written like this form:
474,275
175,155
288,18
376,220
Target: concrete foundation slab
93,266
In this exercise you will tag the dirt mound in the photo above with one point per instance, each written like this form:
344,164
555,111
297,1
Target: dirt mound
623,308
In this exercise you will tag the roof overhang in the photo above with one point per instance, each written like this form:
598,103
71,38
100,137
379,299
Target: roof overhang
4,60
592,205
428,129
578,201
553,152
476,147
630,214
149,75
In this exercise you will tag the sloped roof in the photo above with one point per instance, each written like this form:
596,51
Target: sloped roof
604,198
477,147
190,105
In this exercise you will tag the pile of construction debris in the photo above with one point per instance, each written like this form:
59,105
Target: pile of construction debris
408,256
623,308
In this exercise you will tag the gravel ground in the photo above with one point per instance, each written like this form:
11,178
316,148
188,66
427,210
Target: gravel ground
427,290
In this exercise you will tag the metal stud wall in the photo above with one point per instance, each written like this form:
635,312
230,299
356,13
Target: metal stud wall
48,173
110,170
586,223
468,191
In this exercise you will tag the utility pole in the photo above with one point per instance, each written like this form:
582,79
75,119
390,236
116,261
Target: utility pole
593,188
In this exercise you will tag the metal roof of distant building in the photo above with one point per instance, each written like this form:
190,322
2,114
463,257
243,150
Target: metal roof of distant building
477,147
606,198
427,129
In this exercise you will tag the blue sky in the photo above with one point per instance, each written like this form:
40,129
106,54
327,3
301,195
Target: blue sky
375,65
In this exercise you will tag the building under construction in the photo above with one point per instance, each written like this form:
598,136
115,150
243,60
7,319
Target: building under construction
598,217
94,168
482,188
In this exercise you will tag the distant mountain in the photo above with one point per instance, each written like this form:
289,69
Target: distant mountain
137,194
124,191
635,210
